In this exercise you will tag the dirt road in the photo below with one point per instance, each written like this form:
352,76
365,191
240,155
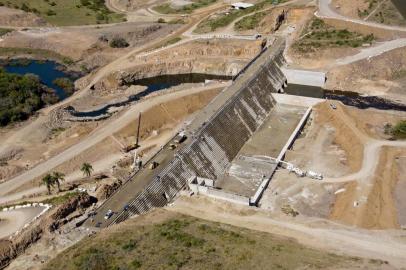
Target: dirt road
95,137
376,50
318,233
372,150
14,220
325,11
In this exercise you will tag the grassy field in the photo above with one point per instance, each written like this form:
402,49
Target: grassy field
167,9
165,240
67,12
318,35
249,22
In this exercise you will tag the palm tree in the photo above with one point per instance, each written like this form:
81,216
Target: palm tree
87,169
58,178
48,181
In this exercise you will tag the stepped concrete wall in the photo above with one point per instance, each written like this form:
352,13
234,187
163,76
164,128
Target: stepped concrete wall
219,132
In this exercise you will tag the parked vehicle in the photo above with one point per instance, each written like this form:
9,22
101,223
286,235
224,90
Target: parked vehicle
108,214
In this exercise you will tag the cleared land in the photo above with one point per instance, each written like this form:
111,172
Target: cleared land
320,35
67,12
380,11
226,17
166,240
189,8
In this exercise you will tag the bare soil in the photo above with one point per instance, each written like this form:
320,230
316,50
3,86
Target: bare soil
19,18
380,75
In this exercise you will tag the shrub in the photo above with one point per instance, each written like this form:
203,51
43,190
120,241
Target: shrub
399,130
119,43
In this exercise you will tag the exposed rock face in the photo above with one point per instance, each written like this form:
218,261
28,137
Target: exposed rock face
11,249
107,190
217,57
80,202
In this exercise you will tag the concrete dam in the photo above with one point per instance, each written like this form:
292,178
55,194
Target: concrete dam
214,138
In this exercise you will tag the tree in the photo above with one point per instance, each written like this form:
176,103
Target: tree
87,169
49,182
58,178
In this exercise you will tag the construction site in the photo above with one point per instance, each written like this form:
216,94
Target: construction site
212,122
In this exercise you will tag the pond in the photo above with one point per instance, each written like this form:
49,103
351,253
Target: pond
346,97
47,71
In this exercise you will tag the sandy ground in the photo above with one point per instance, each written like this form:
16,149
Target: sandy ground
380,75
349,147
14,220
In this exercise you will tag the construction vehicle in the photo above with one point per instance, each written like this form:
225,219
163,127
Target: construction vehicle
153,165
172,146
180,138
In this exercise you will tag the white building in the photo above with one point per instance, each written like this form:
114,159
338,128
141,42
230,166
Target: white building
241,5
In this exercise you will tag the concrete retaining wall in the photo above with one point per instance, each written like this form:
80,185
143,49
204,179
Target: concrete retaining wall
258,194
305,77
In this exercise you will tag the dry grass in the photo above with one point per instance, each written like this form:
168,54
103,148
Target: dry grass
166,240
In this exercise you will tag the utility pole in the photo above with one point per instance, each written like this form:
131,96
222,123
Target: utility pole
138,131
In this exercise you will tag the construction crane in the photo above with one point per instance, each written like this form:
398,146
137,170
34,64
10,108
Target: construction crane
135,145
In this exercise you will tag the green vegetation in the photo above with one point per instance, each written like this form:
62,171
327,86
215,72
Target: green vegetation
250,22
173,241
176,21
118,43
67,12
398,131
21,96
66,84
86,169
371,6
36,53
167,9
172,41
222,20
4,31
320,35
56,200
50,180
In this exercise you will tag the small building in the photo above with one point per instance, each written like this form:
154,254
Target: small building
241,5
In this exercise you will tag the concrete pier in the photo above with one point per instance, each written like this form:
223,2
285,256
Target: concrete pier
305,77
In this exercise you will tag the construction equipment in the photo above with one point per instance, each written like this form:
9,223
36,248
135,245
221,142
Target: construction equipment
135,145
153,165
180,138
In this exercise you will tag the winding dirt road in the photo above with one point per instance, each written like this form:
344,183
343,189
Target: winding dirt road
95,137
325,11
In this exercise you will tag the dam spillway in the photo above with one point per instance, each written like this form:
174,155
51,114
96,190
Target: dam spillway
215,137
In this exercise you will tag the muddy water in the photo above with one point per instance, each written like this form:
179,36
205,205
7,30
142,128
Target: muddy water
401,6
154,84
348,98
166,81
